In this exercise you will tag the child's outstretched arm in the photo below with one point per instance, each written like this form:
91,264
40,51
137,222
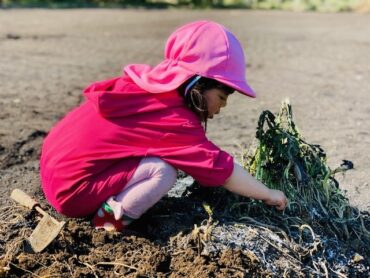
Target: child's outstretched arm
242,183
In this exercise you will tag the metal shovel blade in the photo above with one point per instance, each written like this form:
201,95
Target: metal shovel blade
45,232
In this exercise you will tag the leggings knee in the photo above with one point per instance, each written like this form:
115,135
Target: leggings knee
164,171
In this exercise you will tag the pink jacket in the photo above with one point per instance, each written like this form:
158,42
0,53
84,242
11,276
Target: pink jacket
120,122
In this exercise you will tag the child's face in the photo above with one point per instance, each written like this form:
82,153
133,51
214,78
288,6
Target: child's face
216,99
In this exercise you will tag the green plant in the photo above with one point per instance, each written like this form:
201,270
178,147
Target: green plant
283,160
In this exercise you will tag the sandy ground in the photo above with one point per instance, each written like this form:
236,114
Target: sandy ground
321,62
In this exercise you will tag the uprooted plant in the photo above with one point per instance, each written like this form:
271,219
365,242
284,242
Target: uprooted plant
283,160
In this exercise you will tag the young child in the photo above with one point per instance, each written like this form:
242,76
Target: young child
116,154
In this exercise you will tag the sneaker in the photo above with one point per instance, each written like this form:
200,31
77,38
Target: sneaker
104,219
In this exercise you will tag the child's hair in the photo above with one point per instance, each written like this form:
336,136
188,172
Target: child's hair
194,98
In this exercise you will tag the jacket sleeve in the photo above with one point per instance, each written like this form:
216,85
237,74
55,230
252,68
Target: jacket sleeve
206,163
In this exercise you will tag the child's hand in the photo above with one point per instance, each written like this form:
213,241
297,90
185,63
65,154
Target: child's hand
276,198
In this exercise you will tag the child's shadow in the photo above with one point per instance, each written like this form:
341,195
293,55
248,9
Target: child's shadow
174,214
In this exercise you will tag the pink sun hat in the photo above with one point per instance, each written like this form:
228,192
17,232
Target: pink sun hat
203,48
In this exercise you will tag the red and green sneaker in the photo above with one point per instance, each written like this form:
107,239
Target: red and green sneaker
104,219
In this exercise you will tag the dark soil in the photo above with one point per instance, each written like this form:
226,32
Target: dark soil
178,238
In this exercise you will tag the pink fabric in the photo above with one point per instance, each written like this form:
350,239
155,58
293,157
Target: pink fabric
202,48
76,191
91,154
152,180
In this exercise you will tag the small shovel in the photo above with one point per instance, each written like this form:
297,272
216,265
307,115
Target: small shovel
48,228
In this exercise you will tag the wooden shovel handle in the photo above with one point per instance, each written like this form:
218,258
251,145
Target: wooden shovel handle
23,198
26,200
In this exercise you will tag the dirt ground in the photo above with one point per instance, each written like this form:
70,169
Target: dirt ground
319,61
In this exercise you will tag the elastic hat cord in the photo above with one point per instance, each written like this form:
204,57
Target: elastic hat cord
191,84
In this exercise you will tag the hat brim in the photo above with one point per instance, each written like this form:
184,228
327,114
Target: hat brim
240,86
